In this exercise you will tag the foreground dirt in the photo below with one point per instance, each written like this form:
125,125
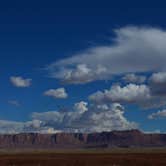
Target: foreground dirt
83,159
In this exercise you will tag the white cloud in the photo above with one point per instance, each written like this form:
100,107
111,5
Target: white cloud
81,75
159,114
13,127
20,82
157,83
157,131
59,93
14,102
10,126
108,118
134,50
81,106
90,119
81,118
158,78
141,95
130,93
133,78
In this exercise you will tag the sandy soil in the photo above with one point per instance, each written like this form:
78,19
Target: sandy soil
83,159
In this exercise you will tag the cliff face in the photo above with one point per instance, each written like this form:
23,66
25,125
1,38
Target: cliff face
78,140
127,139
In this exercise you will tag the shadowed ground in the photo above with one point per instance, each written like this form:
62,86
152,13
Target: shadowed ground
83,158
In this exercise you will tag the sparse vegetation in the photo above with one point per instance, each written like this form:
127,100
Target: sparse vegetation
114,157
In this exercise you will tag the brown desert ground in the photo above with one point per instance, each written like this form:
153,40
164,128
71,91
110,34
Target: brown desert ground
124,157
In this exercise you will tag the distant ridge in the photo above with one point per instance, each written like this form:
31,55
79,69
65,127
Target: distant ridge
129,138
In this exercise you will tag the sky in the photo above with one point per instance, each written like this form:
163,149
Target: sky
82,67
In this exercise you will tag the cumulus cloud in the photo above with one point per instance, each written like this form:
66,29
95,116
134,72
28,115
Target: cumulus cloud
20,82
87,119
159,114
134,49
81,106
158,78
13,127
59,93
141,95
10,126
62,120
157,83
82,74
81,118
133,78
130,93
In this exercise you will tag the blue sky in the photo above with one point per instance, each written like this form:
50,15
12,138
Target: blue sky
36,35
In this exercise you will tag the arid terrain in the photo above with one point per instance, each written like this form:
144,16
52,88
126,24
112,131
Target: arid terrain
119,157
108,140
116,148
